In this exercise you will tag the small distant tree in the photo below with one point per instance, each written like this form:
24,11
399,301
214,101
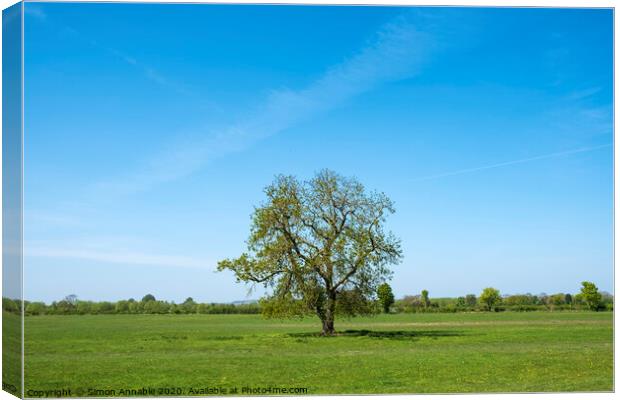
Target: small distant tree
156,307
133,307
568,299
147,298
121,307
83,307
591,295
578,299
471,300
557,299
71,299
68,305
188,306
150,307
490,297
386,297
35,308
607,301
409,303
425,299
9,305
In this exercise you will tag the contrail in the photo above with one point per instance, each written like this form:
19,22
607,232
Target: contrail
513,162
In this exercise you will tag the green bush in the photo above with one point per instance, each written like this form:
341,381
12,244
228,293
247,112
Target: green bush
35,308
10,305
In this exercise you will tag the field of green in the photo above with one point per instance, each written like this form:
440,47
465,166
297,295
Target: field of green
11,353
405,353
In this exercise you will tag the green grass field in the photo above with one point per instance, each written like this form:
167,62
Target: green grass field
413,353
11,353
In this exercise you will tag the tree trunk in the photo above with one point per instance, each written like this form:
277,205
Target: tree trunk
328,327
328,317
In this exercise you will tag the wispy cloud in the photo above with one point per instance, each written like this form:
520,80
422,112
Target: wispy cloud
512,162
147,71
583,93
397,51
581,120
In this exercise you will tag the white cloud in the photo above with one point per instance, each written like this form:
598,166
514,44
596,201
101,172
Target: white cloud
397,52
512,162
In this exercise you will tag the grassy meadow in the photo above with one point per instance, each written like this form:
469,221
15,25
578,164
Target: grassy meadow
404,353
11,353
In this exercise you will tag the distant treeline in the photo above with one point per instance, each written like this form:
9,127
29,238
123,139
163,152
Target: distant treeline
422,303
518,302
71,305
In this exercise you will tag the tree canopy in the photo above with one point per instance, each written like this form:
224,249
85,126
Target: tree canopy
591,295
148,297
317,243
425,299
385,296
489,297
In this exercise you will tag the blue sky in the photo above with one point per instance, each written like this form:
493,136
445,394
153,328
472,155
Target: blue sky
150,131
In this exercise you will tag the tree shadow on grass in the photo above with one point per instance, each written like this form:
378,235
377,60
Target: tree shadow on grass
395,335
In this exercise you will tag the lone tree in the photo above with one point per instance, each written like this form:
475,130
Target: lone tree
471,300
425,299
490,297
385,296
320,245
591,295
148,297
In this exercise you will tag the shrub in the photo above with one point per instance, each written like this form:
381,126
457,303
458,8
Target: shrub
490,297
591,295
10,305
385,296
35,308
